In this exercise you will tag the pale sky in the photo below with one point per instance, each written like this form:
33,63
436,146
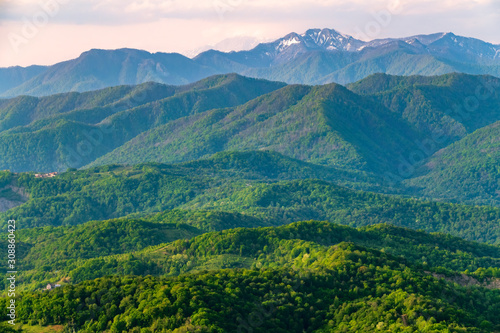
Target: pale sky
45,32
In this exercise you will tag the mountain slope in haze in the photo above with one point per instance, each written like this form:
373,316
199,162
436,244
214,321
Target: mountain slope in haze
465,171
98,69
12,77
314,57
324,56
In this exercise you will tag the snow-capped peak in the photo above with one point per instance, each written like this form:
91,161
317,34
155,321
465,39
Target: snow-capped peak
330,39
288,41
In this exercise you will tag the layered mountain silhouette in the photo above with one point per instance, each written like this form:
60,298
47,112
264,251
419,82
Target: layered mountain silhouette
407,131
315,57
300,185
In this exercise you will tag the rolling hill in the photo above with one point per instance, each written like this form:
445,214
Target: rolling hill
326,125
189,198
320,270
285,191
72,130
383,128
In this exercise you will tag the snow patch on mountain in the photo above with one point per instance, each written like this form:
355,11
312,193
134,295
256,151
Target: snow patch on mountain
287,42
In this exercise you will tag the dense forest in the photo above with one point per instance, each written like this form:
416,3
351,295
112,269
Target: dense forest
390,129
340,288
101,193
241,205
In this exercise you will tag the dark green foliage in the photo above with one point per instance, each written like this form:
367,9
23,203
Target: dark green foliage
310,199
114,191
25,110
452,105
80,253
207,245
72,130
385,127
56,246
466,171
327,125
5,178
208,220
458,115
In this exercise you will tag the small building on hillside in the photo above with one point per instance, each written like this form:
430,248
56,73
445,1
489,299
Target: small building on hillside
46,175
51,286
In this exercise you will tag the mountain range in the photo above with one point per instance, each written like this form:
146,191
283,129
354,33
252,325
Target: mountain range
314,57
408,134
157,193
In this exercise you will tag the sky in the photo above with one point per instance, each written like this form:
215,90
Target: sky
45,32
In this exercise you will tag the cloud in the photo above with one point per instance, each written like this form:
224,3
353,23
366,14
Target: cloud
183,25
121,12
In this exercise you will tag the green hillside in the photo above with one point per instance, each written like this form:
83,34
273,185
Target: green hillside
56,137
466,171
453,104
383,127
25,110
310,199
305,268
235,204
326,125
282,191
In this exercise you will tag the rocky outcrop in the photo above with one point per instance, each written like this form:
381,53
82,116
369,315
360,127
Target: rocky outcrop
5,204
19,197
468,281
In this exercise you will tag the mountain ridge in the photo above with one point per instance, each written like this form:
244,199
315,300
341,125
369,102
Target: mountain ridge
338,57
382,126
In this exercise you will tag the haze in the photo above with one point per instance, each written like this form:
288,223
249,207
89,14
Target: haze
49,31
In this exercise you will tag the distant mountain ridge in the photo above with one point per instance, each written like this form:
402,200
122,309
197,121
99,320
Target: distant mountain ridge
318,56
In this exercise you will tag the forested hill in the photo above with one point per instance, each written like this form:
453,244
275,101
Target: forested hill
282,190
70,130
385,127
236,204
447,108
311,276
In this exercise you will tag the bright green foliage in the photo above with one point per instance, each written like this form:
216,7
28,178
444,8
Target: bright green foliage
52,258
113,191
344,288
56,246
311,199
